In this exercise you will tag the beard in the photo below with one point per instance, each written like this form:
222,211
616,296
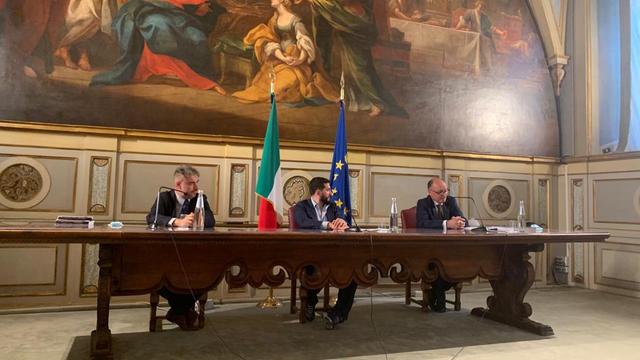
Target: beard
324,199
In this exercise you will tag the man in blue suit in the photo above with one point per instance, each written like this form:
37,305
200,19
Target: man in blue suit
439,211
319,213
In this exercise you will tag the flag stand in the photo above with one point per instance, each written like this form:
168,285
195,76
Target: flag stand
270,302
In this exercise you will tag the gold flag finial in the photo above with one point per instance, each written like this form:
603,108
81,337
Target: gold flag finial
272,76
342,86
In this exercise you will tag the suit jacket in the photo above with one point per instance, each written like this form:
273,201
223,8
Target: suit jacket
167,208
306,217
427,217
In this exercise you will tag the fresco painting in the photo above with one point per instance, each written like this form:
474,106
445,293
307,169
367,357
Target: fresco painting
459,75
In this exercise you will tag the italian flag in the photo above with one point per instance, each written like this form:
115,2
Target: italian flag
269,186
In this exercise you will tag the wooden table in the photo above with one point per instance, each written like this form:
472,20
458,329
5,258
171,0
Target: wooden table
135,260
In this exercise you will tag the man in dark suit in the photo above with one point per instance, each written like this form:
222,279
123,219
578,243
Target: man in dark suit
175,209
319,213
439,211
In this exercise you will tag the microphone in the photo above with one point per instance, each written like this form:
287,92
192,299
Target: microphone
357,228
480,228
154,226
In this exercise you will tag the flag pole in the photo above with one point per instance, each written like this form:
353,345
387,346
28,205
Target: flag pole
271,302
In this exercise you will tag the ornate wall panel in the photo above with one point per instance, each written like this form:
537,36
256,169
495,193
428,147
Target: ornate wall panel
454,182
498,199
141,180
44,273
90,270
407,188
616,201
295,187
355,186
618,266
542,203
577,224
99,180
239,183
38,184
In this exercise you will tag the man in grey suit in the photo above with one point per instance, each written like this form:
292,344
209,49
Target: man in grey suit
175,209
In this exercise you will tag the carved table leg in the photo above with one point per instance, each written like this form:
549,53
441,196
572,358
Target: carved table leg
426,289
294,285
407,292
303,304
154,300
507,305
202,303
101,336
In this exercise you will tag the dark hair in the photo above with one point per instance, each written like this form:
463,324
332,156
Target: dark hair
317,183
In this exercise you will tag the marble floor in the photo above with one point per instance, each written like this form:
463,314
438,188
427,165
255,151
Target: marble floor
587,325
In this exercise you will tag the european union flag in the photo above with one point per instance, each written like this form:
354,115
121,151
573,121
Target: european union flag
339,177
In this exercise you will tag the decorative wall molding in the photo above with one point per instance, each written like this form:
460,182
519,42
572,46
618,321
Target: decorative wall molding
612,262
239,183
577,224
295,188
99,181
24,182
499,199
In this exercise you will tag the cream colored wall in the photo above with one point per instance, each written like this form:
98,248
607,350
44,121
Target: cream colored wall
114,175
604,195
595,192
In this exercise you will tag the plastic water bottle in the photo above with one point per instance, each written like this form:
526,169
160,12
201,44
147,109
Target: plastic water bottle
522,217
198,218
393,217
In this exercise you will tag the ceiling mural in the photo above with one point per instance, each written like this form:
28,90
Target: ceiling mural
454,75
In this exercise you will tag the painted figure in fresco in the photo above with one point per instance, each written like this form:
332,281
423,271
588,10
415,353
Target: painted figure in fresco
405,9
477,20
84,19
347,28
164,38
284,46
30,32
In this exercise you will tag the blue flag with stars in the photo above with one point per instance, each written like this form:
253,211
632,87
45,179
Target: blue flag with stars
339,177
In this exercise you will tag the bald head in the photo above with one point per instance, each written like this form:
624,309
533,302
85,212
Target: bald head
437,189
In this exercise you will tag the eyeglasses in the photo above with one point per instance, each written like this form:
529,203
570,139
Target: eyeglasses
440,192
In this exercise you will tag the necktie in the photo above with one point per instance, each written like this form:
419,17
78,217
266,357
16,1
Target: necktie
440,211
185,207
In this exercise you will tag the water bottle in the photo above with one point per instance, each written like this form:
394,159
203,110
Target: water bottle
522,218
198,218
393,217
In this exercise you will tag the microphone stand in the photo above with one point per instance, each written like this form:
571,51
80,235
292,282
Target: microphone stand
357,228
154,226
480,228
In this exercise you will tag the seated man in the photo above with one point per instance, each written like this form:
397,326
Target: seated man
318,212
438,211
175,209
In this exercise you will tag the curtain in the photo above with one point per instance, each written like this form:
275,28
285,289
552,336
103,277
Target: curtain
633,143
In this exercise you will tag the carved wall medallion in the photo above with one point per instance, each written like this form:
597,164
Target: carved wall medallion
20,182
24,182
295,188
499,199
